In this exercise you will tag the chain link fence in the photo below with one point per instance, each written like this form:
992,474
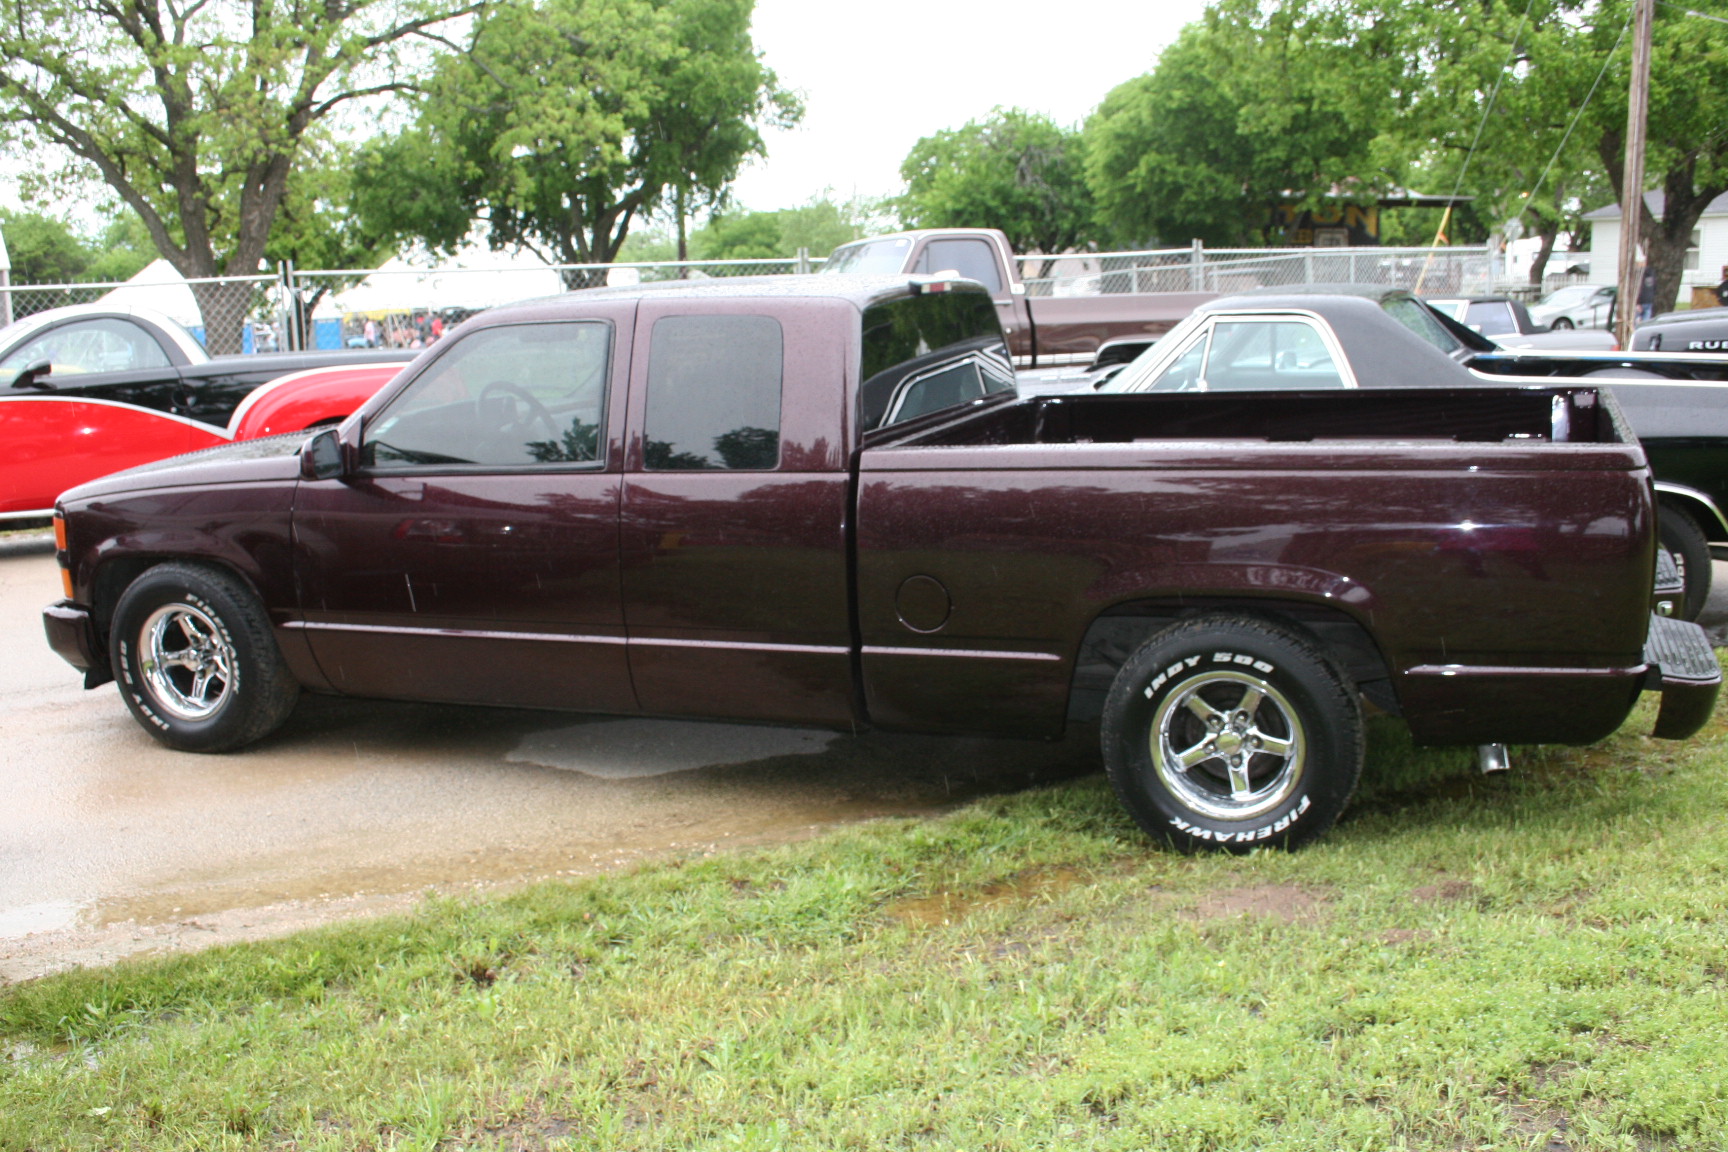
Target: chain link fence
407,307
224,314
1446,272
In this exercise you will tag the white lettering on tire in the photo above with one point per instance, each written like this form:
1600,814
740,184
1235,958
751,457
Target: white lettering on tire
1163,677
1264,832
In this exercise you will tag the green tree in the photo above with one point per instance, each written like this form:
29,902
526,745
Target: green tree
1560,64
195,114
1252,107
817,227
42,250
122,250
1017,171
742,236
568,120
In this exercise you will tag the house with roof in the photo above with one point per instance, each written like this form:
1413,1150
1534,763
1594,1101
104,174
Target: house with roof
1705,256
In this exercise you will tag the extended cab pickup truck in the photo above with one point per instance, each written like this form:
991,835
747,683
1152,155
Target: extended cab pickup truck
1042,331
820,500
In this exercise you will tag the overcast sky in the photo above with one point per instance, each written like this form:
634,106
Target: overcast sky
876,75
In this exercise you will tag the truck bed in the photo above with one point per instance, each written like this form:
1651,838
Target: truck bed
1460,535
1487,415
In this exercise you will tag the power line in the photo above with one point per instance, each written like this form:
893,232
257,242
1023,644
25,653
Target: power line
1693,12
1494,95
1577,116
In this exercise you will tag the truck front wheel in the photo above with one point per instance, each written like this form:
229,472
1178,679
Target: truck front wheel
196,662
1228,731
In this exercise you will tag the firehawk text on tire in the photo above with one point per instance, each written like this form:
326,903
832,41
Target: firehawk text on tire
196,662
1229,731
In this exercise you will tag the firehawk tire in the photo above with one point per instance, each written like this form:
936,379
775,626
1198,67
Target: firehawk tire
196,662
1680,535
1231,732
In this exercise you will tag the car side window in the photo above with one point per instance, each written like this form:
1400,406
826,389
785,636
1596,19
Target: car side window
713,393
511,396
1253,355
977,375
1184,373
106,344
1491,317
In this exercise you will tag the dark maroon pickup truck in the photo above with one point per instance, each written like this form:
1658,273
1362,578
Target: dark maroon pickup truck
821,500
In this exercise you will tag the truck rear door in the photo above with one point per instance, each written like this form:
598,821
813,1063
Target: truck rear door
735,509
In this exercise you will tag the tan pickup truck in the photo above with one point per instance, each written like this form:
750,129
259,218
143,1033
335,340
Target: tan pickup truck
1042,331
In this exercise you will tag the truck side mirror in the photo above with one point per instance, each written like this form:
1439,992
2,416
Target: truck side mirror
321,458
35,375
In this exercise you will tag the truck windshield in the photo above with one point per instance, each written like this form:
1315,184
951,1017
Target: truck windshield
870,256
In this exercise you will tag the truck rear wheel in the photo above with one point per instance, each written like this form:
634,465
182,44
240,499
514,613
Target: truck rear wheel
1228,731
196,662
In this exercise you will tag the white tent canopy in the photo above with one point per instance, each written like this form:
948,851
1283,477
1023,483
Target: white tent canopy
160,288
476,278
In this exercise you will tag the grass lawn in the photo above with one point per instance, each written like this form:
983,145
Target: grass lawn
1538,961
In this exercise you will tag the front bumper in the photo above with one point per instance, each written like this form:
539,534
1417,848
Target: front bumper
1684,670
72,634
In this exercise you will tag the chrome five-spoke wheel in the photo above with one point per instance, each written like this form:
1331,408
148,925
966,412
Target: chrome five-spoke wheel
187,661
1229,744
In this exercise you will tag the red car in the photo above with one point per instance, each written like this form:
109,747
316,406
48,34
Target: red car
92,389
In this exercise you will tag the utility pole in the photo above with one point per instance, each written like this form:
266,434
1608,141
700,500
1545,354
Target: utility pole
1632,176
5,283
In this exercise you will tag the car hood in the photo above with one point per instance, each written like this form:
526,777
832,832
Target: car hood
268,458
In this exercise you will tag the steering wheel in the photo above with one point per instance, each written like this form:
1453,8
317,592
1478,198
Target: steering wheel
524,408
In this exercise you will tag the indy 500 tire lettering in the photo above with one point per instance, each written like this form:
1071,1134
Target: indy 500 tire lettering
1230,731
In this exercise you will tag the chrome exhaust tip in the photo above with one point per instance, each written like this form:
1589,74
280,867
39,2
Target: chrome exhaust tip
1492,758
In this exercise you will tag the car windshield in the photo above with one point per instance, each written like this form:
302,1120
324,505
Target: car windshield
1419,320
871,256
16,331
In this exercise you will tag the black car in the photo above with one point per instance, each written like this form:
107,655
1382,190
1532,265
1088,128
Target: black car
134,356
1700,330
1677,406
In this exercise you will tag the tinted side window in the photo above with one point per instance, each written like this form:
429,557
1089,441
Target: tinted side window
714,393
972,258
516,395
912,343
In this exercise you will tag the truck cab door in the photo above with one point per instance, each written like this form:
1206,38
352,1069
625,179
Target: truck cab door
735,510
472,553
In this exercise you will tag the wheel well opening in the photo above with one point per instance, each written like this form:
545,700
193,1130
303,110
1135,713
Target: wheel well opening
1114,636
116,575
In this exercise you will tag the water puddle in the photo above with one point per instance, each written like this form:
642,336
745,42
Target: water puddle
28,919
947,907
632,749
